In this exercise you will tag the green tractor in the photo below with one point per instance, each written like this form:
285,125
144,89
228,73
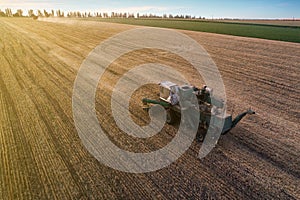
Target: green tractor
209,106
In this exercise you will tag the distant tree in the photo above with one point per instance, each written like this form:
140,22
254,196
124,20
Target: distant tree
40,14
130,15
60,13
144,16
170,16
52,13
30,13
8,12
138,15
2,14
20,12
46,14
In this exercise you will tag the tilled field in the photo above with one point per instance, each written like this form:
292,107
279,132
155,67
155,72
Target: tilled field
42,156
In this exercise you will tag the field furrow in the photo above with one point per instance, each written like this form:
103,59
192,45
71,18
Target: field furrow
42,157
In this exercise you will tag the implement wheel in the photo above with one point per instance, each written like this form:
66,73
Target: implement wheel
201,135
171,116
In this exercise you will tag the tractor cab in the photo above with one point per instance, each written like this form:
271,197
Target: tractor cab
166,88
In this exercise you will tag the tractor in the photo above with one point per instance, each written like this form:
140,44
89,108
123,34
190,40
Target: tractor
209,106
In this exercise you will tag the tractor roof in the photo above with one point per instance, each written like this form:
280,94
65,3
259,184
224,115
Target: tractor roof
167,84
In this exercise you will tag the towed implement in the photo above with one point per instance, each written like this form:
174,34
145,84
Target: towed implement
209,106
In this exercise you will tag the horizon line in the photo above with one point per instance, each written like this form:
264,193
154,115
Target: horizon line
109,12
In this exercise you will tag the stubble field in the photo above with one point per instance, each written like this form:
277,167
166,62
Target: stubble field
41,155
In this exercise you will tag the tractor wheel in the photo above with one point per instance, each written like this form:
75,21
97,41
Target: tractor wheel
171,117
201,135
146,108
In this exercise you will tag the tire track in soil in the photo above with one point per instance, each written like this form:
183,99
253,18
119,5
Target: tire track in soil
20,162
18,78
188,177
107,106
25,162
280,158
274,195
43,115
262,184
30,77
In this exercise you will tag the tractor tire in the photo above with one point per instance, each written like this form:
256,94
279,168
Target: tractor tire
171,117
201,135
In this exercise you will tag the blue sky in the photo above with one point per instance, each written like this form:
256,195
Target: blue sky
209,8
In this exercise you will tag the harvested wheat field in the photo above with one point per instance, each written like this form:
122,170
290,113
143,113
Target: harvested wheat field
42,157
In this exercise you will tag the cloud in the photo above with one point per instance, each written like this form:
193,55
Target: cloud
138,9
27,4
23,3
283,4
83,7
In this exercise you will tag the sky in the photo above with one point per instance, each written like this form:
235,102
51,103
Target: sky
243,9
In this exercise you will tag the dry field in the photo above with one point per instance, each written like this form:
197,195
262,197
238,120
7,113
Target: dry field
41,155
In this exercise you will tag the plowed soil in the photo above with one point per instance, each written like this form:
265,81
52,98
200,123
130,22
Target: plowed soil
41,155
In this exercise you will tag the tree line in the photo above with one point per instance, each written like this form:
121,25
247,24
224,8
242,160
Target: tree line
19,13
58,13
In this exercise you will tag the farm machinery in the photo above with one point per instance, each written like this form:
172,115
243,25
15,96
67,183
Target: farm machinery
208,106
